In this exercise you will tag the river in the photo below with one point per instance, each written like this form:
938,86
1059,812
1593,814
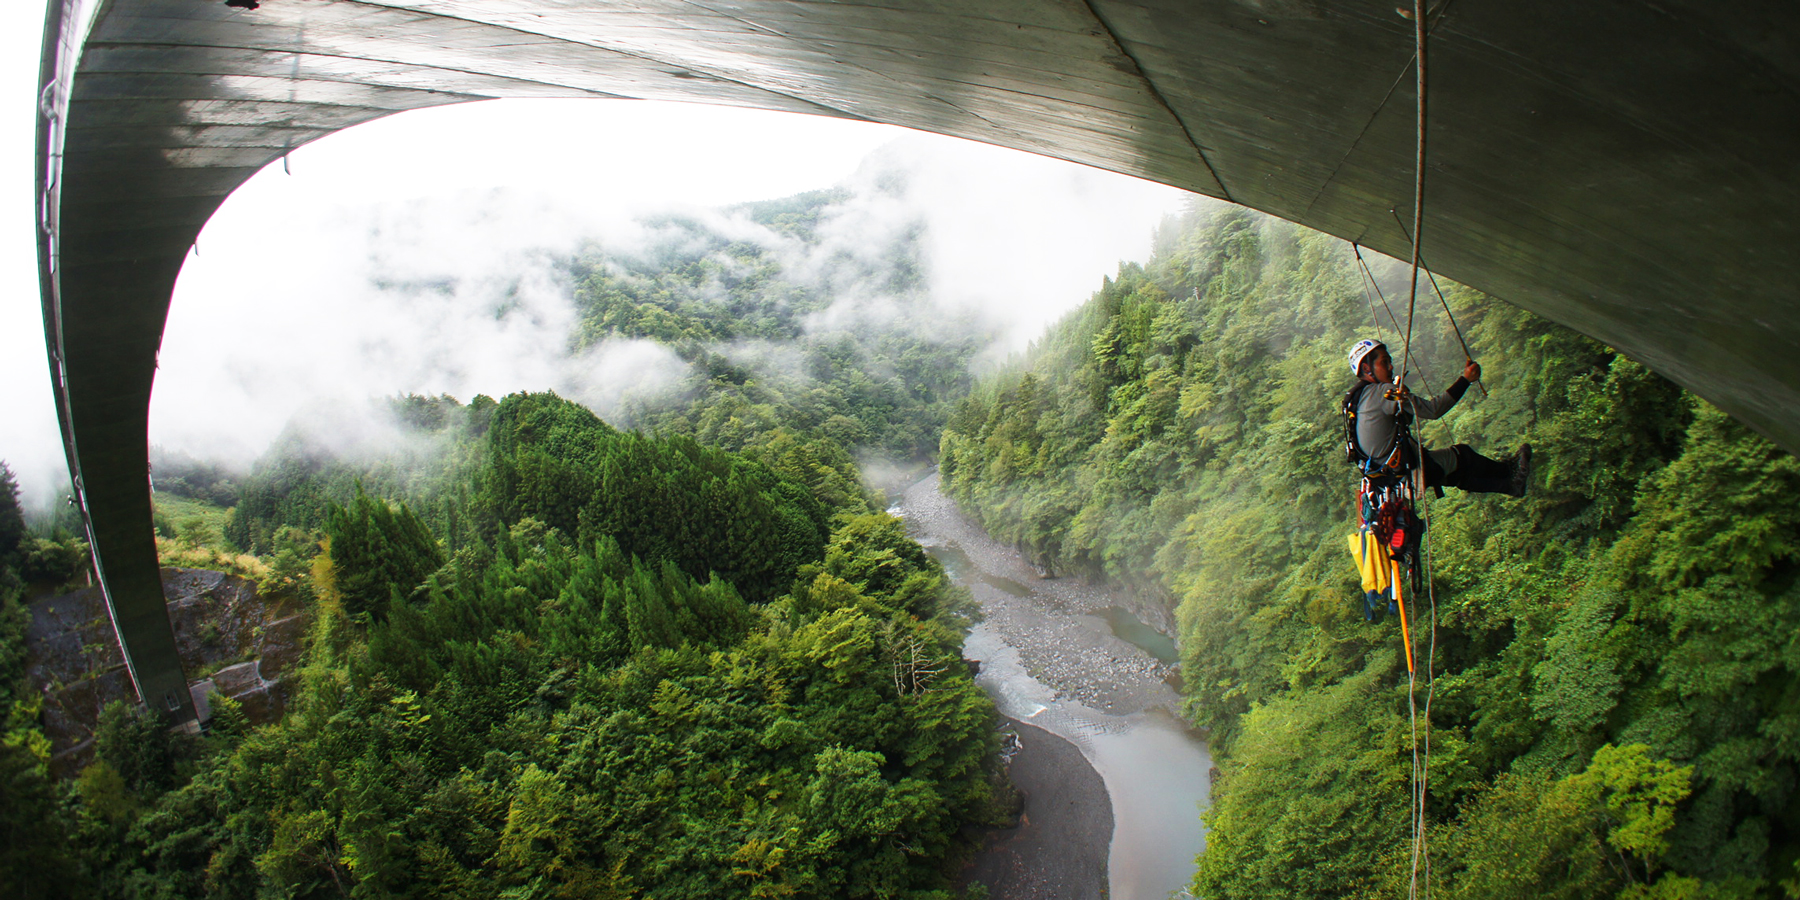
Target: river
1076,661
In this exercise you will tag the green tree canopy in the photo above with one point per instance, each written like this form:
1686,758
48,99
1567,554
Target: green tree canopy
380,552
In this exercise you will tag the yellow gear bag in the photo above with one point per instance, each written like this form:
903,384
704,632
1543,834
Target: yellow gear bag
1372,561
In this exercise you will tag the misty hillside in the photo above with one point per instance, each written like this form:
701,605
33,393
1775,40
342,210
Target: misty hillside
789,348
1613,711
799,323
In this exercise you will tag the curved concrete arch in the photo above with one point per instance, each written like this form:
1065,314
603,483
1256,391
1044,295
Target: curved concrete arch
1625,168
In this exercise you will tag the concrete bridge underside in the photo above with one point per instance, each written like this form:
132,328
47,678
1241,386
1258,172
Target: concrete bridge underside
1629,169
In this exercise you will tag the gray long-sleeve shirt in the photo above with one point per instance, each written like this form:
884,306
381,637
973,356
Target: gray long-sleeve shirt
1375,418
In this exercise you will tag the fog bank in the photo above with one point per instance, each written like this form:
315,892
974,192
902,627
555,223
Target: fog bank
419,254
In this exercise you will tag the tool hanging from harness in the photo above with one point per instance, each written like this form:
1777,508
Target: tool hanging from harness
1386,545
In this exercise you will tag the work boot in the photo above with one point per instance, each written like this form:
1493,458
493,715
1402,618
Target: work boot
1521,471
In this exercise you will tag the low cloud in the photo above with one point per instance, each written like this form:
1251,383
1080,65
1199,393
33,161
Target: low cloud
460,295
614,378
1015,239
303,295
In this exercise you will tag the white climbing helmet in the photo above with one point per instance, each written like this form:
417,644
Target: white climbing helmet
1362,349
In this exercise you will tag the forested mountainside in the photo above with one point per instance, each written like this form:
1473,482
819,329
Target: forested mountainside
552,658
1616,702
647,668
467,470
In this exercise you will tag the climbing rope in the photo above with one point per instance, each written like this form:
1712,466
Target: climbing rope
1441,300
1430,694
1418,231
1368,282
1421,761
1367,295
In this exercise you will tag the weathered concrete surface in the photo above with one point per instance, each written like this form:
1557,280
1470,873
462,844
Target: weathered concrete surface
1629,169
235,642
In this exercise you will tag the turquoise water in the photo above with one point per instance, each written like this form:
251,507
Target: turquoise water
956,564
1126,627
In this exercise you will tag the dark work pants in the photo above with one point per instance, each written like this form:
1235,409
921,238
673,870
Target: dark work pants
1474,473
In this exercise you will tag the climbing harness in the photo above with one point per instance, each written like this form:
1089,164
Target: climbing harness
1397,458
1386,549
1387,539
1386,543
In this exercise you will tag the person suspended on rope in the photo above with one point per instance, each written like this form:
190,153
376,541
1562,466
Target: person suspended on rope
1381,410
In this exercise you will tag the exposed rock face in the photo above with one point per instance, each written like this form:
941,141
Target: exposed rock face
233,641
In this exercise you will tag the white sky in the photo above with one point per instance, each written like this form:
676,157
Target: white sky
27,417
276,311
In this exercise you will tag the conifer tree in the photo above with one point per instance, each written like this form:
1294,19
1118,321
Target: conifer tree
12,519
380,552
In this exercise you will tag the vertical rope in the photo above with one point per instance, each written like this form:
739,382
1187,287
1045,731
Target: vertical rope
1442,301
1418,231
1430,694
1421,764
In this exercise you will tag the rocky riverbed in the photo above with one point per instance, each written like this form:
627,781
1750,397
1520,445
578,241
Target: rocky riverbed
1057,624
1051,659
